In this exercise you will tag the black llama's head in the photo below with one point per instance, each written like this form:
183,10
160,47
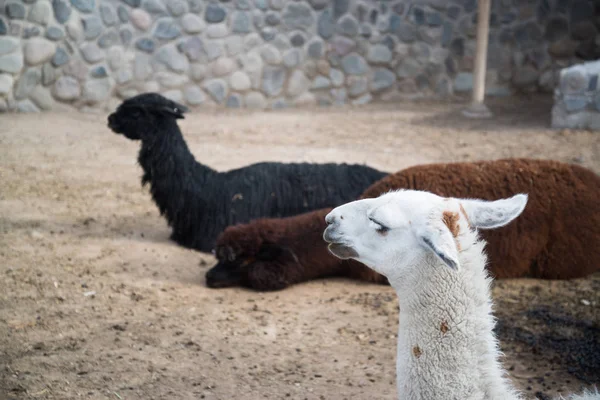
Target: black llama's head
140,115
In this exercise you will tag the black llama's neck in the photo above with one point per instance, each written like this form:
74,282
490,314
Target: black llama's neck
166,159
174,175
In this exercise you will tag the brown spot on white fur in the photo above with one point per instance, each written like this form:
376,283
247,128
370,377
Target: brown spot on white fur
417,351
444,327
451,221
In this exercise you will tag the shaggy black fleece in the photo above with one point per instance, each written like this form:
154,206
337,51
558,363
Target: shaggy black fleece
199,202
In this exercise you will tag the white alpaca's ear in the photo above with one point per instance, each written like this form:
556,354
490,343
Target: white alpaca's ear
438,238
494,214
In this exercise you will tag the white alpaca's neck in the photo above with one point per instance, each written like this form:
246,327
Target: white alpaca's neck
446,347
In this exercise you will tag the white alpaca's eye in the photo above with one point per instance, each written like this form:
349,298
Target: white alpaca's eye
379,227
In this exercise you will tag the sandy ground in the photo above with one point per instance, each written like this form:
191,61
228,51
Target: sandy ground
97,303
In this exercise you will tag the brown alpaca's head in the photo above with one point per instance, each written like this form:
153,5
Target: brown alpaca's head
236,249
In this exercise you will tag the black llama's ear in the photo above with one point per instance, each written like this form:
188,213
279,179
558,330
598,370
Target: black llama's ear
174,109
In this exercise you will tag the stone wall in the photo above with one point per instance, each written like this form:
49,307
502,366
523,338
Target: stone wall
577,97
90,54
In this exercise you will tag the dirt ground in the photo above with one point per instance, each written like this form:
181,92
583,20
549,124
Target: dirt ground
97,303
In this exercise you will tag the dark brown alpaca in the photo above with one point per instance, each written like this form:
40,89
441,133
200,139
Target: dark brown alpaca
557,236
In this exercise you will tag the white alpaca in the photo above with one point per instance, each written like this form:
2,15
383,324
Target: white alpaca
428,248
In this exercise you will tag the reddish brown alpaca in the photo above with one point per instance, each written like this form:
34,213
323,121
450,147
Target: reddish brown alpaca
556,237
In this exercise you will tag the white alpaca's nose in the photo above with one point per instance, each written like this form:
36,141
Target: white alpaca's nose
332,217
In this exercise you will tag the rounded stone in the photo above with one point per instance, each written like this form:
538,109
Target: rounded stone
196,6
75,30
193,95
224,66
177,7
239,81
198,72
305,100
277,4
336,76
140,19
192,23
166,29
8,44
234,101
321,82
251,41
91,53
12,63
54,33
315,48
15,10
170,79
365,99
319,4
347,26
27,106
298,16
342,45
38,50
354,64
76,68
133,3
214,13
357,85
62,10
126,36
408,68
325,25
234,45
241,22
292,58
123,14
66,88
108,39
379,54
273,78
272,18
216,31
85,6
3,28
6,84
41,97
268,33
271,55
298,83
255,100
40,13
60,57
217,88
382,79
155,7
297,39
96,90
99,72
145,45
172,59
123,76
92,27
107,12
